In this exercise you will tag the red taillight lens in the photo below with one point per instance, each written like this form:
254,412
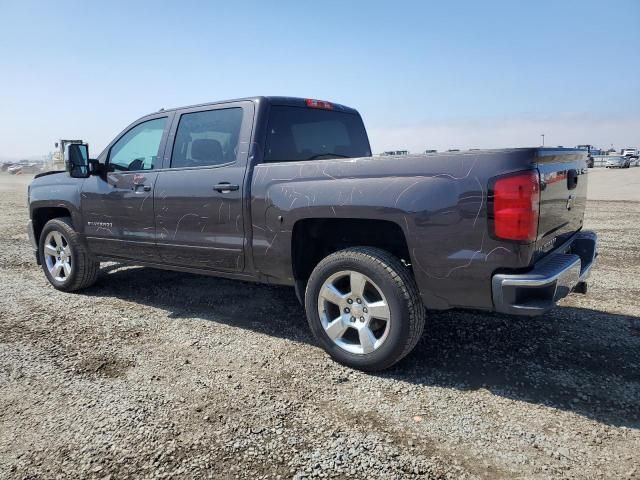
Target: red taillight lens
318,104
516,204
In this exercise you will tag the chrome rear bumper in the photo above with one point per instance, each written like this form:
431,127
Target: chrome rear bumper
551,279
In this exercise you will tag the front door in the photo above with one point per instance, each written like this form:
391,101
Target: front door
199,194
117,207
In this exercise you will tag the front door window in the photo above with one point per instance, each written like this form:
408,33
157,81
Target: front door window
138,149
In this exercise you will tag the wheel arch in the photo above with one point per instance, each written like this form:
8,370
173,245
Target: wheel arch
41,215
313,239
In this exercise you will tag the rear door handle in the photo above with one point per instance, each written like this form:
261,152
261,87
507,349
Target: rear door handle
146,188
225,187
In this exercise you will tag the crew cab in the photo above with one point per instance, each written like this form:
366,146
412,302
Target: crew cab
286,191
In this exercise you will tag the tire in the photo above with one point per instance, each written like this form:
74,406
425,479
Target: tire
385,278
83,271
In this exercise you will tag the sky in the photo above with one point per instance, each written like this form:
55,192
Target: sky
423,74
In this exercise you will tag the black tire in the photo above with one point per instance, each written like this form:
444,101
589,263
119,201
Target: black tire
407,314
85,269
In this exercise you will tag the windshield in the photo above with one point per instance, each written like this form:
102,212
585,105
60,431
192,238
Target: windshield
300,133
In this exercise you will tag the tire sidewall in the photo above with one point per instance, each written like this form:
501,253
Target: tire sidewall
399,331
62,228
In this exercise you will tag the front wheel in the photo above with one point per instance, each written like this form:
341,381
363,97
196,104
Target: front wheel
364,309
66,263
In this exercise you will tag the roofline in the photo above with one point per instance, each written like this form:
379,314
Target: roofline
272,100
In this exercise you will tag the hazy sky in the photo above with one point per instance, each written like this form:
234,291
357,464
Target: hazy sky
424,74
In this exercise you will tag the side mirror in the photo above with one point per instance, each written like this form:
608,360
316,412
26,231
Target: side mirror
77,160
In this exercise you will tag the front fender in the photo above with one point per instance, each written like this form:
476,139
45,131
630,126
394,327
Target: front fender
57,191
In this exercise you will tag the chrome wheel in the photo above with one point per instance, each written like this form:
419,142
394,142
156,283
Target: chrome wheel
57,256
354,312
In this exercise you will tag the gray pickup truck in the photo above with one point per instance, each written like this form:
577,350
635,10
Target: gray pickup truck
285,191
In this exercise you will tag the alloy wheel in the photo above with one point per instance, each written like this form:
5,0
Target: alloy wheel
354,312
57,256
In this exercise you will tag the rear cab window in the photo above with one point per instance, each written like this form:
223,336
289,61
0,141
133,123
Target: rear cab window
299,134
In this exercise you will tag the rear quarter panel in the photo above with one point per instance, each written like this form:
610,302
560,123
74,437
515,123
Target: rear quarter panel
439,202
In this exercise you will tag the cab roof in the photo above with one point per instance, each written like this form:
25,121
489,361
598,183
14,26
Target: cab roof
271,100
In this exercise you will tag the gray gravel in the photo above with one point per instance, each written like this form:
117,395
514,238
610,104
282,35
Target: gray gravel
613,184
158,374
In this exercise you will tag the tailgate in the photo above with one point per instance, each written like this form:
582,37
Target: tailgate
563,196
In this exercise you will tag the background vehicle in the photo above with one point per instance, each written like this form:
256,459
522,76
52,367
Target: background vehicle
630,152
590,152
618,161
25,167
285,191
396,152
5,166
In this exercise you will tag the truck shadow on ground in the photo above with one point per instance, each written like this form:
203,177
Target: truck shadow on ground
574,359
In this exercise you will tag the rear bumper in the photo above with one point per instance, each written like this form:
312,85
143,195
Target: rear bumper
551,279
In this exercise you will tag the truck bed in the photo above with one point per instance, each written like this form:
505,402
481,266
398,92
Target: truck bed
439,201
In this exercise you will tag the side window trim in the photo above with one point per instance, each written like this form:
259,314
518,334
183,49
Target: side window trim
245,134
163,141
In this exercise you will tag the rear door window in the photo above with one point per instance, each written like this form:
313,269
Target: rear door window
298,134
207,138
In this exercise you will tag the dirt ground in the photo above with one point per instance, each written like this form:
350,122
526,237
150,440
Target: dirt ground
155,374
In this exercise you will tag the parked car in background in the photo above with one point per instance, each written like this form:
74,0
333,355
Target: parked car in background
395,153
25,167
630,152
618,161
15,168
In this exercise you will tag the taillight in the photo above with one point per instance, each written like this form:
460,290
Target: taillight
516,205
318,104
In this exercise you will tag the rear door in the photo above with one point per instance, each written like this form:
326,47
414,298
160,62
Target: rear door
118,206
563,196
199,193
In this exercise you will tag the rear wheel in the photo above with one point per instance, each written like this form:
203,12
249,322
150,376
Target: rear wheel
65,262
364,309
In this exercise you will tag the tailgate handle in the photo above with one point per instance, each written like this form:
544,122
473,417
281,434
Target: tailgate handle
572,179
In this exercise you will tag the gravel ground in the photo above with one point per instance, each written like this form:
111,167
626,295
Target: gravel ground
612,184
160,374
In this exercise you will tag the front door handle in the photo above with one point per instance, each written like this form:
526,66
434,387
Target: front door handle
146,188
226,187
